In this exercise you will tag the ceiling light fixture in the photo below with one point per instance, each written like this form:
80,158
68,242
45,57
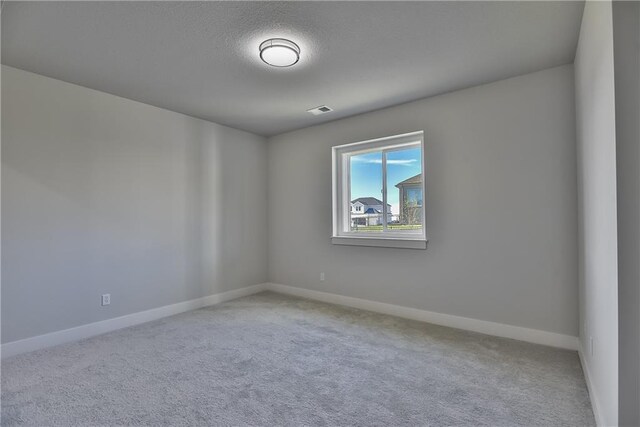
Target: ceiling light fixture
279,52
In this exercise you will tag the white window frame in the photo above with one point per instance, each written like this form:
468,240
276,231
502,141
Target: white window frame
341,194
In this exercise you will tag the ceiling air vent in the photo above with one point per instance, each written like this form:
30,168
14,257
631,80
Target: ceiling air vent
320,110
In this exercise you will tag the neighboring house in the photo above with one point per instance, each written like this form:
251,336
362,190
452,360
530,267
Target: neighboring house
410,200
368,211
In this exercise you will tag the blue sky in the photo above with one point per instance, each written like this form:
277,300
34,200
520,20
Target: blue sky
366,173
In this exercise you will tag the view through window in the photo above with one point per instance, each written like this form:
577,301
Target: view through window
403,170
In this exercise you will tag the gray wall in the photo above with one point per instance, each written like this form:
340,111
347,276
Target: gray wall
626,47
105,195
598,262
501,206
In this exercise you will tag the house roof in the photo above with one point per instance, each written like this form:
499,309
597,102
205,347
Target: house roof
372,211
368,201
413,180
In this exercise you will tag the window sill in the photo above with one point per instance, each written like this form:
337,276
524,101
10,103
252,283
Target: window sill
380,242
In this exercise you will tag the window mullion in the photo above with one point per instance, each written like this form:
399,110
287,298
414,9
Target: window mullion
384,190
346,225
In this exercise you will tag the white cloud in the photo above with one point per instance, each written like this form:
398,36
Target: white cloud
406,162
401,162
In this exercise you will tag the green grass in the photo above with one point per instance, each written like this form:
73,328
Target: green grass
365,228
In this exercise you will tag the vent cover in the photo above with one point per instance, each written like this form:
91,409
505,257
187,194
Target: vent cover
320,110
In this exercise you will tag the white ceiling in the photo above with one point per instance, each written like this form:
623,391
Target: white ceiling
201,58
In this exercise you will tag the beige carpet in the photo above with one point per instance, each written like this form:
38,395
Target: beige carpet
270,359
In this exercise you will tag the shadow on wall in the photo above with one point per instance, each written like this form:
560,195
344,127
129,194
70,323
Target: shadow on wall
232,209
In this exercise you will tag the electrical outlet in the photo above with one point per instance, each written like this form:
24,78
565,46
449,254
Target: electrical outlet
106,299
322,277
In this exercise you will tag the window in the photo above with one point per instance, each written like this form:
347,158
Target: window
378,189
414,196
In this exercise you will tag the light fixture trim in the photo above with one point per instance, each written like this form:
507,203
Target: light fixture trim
287,52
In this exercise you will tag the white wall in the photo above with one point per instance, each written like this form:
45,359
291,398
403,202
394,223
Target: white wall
105,195
598,262
626,46
501,206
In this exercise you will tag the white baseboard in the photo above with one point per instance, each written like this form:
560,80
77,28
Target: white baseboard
490,328
89,330
482,326
593,395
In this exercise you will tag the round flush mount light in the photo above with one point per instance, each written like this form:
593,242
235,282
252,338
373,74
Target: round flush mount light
279,52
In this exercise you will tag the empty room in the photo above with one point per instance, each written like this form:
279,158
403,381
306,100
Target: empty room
320,213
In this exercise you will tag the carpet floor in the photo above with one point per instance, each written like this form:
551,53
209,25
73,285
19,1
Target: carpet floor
275,360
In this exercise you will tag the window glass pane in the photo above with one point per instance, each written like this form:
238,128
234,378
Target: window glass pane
404,189
414,196
365,186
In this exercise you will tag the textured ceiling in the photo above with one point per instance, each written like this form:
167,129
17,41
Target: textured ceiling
201,58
